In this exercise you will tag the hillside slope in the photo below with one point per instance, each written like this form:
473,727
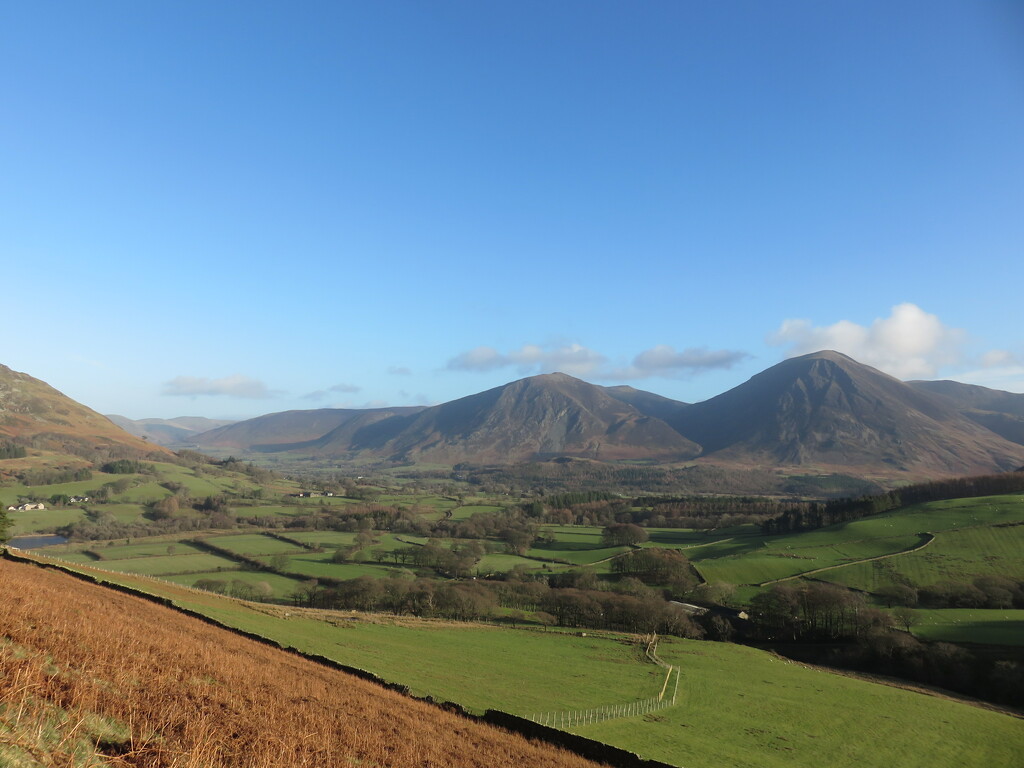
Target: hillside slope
827,409
168,432
84,668
998,411
37,414
533,418
290,429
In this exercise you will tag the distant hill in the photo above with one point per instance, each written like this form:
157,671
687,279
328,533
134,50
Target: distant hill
998,411
290,430
827,409
168,432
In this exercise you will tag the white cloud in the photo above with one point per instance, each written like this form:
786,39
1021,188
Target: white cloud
999,358
1009,377
664,358
229,386
910,343
399,370
577,360
320,394
574,359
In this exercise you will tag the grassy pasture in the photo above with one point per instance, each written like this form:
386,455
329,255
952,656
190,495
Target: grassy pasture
747,559
752,560
738,706
198,485
164,565
742,707
282,586
577,545
502,563
42,520
318,565
970,625
325,539
466,512
252,544
957,555
9,494
147,548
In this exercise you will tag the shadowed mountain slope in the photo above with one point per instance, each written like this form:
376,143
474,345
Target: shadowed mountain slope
827,409
36,413
537,417
290,429
998,411
650,404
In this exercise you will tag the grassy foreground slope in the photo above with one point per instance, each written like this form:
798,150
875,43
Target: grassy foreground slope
91,677
737,707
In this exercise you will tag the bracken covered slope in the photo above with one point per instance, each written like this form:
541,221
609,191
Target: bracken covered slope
83,668
34,411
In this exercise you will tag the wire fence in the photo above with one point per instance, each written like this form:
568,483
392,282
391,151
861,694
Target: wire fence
577,717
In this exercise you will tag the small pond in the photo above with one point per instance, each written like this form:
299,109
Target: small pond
36,542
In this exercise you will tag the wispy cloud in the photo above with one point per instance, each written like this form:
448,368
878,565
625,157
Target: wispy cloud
399,370
664,360
229,386
909,343
573,359
320,394
578,360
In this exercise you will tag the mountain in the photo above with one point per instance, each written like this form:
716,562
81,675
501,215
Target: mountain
168,432
34,413
289,430
1001,412
826,409
650,404
533,418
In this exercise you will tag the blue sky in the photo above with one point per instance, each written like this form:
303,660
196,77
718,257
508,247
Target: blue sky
226,209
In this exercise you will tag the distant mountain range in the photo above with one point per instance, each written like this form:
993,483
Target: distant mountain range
822,412
168,431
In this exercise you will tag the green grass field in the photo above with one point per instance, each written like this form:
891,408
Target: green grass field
252,544
328,540
956,555
738,706
281,586
970,625
318,565
466,512
574,544
746,708
752,559
170,564
146,548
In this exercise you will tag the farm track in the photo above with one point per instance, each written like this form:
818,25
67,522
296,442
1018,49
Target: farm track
853,562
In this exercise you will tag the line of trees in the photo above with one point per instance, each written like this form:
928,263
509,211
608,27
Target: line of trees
819,515
827,624
631,608
9,450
